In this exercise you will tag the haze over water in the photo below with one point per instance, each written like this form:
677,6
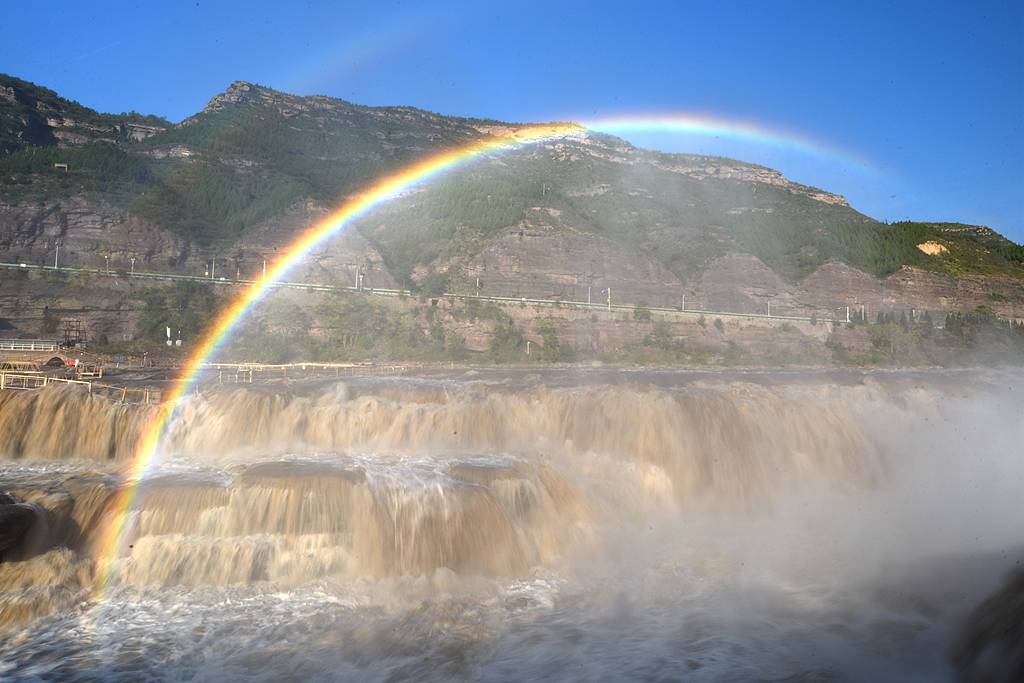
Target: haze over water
507,525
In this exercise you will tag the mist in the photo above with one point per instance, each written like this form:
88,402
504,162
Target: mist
591,524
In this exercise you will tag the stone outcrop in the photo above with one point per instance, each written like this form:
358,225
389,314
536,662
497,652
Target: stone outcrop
742,283
336,262
15,520
32,115
88,231
704,167
541,259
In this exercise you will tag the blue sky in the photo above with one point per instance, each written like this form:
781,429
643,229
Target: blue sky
931,94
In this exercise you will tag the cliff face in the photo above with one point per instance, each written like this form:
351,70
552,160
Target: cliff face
88,230
32,115
238,181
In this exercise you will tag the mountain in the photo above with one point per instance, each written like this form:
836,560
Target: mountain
238,180
31,115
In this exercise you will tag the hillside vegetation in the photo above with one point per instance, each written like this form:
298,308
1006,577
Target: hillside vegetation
25,109
253,152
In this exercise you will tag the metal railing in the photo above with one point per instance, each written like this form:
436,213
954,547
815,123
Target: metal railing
29,345
21,381
384,291
22,366
822,314
246,373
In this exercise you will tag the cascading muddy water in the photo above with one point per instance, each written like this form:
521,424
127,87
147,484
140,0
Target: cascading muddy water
380,480
392,492
731,440
62,423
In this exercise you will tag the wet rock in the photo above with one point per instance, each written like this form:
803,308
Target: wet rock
990,645
15,520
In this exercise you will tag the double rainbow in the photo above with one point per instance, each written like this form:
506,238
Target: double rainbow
108,546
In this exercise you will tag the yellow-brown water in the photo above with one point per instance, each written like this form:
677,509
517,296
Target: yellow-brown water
501,526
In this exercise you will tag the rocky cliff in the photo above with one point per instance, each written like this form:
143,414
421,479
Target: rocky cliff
31,115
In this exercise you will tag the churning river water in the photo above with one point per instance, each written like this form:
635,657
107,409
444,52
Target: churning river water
501,525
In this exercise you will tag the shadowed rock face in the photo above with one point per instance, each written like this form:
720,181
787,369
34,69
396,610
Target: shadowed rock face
87,228
990,645
539,262
15,520
34,116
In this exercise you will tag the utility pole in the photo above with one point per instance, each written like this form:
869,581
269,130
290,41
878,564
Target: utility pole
56,256
527,347
213,269
847,314
769,308
609,298
478,286
133,265
682,306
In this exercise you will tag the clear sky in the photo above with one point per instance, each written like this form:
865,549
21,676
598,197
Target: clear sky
931,94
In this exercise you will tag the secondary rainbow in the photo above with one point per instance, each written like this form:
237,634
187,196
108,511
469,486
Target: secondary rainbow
112,535
729,129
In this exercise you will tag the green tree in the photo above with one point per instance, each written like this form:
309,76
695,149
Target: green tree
507,343
435,283
552,349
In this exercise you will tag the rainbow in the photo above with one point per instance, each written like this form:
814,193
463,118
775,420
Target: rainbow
727,129
108,544
112,535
